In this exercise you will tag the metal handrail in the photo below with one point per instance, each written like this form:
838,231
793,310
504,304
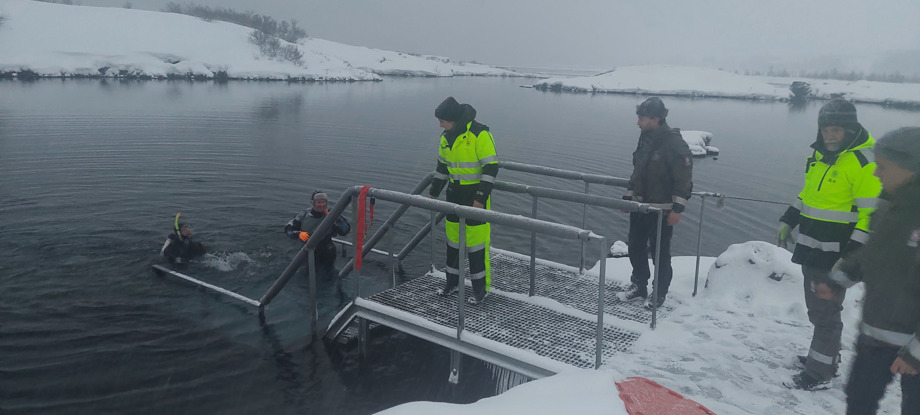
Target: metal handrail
464,213
588,178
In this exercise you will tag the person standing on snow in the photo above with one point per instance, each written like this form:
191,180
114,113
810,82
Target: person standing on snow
889,265
468,164
662,177
832,213
306,223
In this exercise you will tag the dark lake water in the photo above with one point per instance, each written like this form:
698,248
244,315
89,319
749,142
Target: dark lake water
92,173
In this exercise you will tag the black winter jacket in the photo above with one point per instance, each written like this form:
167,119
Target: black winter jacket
662,169
889,265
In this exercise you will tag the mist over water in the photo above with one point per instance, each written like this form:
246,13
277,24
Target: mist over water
92,174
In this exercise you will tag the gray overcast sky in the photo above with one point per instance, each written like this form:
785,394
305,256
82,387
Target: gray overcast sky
600,34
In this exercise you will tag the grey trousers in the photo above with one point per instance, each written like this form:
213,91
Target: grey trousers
824,353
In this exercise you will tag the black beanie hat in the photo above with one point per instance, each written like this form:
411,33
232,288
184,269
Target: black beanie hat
449,110
838,112
902,147
652,107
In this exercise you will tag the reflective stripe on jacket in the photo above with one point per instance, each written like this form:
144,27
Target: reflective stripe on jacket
833,208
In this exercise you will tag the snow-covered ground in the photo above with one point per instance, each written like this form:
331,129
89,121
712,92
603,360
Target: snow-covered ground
61,40
699,82
729,348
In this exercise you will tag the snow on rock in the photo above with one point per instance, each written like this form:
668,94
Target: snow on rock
619,249
698,141
63,40
671,80
744,271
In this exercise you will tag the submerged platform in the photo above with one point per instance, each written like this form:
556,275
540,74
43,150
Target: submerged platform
535,336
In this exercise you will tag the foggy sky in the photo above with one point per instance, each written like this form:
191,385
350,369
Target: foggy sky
601,34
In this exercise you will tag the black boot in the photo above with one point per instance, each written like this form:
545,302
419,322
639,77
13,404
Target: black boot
479,291
450,286
806,382
634,292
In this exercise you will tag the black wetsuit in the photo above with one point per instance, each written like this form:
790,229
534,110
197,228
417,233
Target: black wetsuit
178,250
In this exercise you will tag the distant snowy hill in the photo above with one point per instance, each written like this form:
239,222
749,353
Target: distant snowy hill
672,80
61,40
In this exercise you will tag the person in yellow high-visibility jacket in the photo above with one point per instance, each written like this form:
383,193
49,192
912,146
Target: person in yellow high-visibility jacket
832,213
468,164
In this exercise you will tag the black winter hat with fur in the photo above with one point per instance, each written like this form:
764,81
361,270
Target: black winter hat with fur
449,110
838,112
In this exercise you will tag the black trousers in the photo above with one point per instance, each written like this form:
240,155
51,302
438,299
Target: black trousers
824,349
643,228
870,376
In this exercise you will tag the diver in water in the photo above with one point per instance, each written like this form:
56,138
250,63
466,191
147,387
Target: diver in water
304,224
179,246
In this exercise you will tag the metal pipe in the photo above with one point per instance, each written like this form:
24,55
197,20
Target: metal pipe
362,336
461,271
358,234
577,197
454,367
433,242
657,268
564,174
349,243
209,286
483,215
313,307
392,260
533,253
699,241
584,224
601,302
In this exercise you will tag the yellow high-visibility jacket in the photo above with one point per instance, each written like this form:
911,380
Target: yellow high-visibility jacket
832,210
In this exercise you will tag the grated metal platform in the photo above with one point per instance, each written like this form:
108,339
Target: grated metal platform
525,325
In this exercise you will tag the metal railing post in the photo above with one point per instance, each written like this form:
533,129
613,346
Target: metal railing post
433,241
601,302
533,253
311,260
392,256
362,336
584,225
461,270
699,241
358,234
661,224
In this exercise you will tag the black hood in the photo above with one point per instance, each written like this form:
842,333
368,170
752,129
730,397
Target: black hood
468,115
